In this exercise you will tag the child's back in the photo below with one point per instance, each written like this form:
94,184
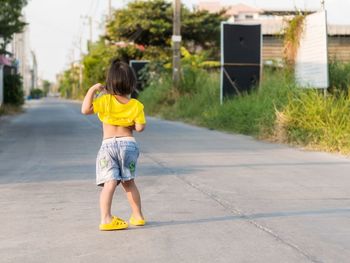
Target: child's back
117,158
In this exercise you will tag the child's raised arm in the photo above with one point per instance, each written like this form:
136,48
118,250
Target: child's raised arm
86,107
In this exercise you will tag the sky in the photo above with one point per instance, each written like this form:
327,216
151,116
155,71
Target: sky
56,26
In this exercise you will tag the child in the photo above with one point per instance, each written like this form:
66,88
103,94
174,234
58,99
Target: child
117,157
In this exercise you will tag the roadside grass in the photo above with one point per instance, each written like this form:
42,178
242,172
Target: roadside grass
252,114
319,122
9,109
277,111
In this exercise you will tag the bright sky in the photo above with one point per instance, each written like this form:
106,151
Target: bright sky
56,25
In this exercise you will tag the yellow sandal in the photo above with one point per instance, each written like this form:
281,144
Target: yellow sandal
116,224
134,222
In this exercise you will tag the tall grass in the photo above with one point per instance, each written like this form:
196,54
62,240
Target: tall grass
319,122
278,110
254,113
198,102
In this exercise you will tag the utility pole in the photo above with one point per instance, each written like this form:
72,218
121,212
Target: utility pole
176,38
89,18
90,24
323,5
110,9
80,65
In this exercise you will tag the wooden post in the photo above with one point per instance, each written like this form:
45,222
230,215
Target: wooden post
176,38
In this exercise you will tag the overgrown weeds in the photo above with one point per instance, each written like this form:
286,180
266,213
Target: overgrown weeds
277,111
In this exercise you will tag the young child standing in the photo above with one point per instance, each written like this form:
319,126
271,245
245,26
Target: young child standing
117,157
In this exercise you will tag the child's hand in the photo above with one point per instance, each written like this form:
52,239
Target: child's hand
98,87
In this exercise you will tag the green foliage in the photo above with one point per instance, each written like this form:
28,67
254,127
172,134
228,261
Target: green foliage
199,102
68,80
10,20
157,94
46,86
143,30
202,29
144,22
278,110
339,78
254,113
320,122
13,90
96,63
36,93
150,23
292,34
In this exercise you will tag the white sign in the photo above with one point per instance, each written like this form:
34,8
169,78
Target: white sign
311,67
176,38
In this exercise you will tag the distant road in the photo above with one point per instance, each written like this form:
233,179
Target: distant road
208,196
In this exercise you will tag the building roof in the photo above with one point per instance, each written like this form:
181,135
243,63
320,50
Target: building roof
242,8
276,27
215,6
339,30
270,26
210,6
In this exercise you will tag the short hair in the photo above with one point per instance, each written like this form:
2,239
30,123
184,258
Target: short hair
121,78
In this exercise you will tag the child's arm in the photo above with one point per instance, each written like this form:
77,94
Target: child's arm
138,127
87,108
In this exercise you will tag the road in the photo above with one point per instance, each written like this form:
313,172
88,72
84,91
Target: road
208,196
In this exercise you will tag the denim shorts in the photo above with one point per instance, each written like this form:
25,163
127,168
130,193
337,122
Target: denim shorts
116,160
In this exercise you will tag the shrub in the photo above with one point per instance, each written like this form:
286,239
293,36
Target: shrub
339,77
36,93
317,121
13,90
278,110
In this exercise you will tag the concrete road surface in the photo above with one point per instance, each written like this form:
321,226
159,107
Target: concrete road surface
208,196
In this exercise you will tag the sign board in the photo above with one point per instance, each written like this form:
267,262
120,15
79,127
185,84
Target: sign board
311,67
240,58
138,66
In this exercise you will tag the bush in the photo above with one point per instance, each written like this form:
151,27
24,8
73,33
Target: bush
321,122
278,110
36,93
339,77
13,90
198,101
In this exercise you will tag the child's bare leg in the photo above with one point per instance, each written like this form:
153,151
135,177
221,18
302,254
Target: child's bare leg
106,197
134,198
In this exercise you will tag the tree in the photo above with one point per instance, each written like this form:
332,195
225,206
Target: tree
203,29
10,20
150,23
143,22
46,86
13,91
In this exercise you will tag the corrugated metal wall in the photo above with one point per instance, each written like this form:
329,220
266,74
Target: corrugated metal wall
338,48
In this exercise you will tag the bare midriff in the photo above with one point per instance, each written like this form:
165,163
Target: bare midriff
110,131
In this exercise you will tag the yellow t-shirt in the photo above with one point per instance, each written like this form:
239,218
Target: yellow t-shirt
109,110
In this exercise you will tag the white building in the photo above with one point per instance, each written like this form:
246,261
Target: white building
20,49
236,13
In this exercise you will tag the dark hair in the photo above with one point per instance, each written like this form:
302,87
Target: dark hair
121,79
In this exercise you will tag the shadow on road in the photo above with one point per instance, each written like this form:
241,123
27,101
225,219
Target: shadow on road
337,211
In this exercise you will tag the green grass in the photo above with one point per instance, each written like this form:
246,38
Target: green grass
252,114
277,111
318,122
